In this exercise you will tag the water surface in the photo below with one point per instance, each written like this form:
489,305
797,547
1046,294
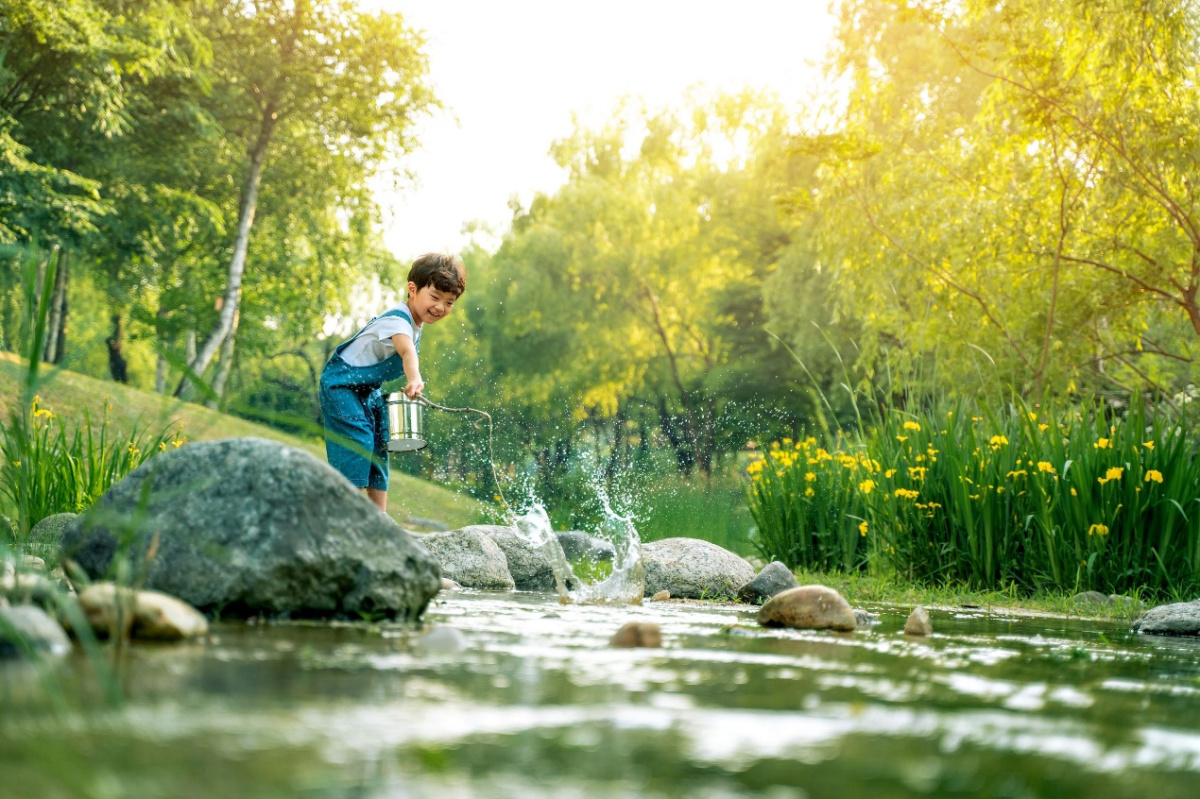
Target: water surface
536,704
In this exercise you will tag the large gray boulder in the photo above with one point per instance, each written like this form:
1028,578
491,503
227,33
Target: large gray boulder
1178,618
528,563
246,526
470,558
693,568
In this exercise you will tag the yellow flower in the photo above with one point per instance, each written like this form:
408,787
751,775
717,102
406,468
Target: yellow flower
1045,466
1043,427
1017,473
497,498
1032,416
998,441
1098,529
1148,444
902,439
862,529
808,492
1114,473
1074,493
865,486
1155,475
889,473
1103,443
787,442
809,477
911,426
917,472
907,493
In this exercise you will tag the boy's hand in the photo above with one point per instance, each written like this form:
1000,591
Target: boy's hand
414,387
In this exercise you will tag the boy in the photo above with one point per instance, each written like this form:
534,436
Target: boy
352,403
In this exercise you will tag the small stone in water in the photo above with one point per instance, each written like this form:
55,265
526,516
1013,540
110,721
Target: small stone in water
808,607
450,585
443,641
918,622
638,633
864,619
661,596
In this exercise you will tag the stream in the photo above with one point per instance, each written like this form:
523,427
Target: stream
516,695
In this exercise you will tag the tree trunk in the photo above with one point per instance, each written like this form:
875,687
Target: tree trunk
117,365
160,366
237,263
224,367
55,335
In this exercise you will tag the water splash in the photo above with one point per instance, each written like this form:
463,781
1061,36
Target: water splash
534,525
627,583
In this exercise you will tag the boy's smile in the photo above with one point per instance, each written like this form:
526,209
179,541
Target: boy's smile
429,304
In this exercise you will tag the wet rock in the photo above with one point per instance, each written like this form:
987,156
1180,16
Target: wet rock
578,545
32,563
450,585
158,617
528,564
918,622
864,619
46,536
107,609
23,588
637,633
694,569
1091,598
808,607
470,558
442,640
661,596
26,628
1177,618
250,526
145,615
773,578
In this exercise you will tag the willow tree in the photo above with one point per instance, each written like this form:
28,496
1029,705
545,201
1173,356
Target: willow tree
1017,180
312,76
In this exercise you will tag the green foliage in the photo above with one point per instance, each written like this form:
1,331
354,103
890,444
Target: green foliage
1038,499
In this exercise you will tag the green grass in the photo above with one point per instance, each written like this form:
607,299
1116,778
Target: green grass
73,397
712,509
888,588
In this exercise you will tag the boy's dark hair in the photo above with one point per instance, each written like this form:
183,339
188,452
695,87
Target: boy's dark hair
442,271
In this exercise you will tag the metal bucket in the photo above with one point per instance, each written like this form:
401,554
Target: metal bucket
406,424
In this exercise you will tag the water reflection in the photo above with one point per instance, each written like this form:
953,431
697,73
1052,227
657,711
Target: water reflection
535,703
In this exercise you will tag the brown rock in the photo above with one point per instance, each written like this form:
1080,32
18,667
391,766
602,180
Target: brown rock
808,607
661,596
159,617
450,585
111,610
638,633
107,609
918,622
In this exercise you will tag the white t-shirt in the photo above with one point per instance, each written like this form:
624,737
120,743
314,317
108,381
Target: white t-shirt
374,344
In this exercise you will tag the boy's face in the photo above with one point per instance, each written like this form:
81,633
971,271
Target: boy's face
429,304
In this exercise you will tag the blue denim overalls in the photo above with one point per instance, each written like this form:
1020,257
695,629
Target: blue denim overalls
355,415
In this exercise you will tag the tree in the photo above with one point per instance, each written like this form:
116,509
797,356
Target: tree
346,84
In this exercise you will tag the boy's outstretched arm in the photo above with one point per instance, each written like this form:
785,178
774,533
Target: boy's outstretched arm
412,368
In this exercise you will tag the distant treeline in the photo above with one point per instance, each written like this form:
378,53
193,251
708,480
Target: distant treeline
994,200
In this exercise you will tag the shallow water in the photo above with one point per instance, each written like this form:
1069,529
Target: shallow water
537,704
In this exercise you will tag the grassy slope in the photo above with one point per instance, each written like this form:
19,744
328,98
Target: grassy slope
69,395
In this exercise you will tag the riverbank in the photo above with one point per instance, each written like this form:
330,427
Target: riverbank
860,589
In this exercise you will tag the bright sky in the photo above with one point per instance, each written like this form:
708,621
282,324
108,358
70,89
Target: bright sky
512,72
